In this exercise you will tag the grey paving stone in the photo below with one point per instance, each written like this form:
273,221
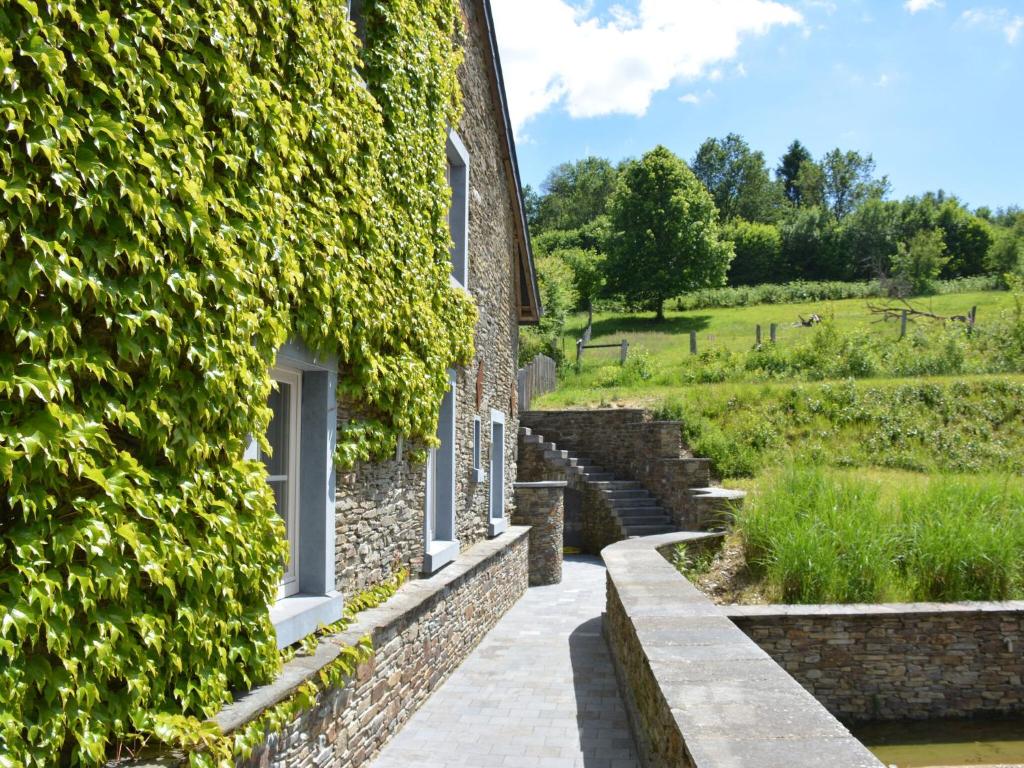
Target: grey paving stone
538,692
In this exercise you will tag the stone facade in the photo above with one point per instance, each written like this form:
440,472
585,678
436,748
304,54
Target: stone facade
380,506
541,506
897,662
699,693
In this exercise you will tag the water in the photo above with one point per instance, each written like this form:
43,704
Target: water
942,743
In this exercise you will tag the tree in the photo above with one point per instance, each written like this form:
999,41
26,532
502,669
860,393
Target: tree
758,250
738,179
554,278
869,237
531,204
575,193
665,237
810,184
1006,253
588,275
789,167
917,266
849,181
810,246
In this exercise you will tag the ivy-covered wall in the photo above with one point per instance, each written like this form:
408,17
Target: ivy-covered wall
184,185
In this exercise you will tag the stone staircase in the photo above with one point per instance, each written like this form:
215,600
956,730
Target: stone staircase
638,511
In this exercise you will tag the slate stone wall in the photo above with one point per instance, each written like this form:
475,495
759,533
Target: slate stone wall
627,442
698,692
420,637
897,662
541,506
380,507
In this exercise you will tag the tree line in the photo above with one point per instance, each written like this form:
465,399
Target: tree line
646,230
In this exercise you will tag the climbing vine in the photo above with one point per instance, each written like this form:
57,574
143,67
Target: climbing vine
185,185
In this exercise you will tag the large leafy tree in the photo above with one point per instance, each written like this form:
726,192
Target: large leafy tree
738,179
849,181
788,169
664,239
574,194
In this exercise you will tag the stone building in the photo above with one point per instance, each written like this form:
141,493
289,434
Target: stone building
400,513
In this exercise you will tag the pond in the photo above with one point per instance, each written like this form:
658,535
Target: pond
942,743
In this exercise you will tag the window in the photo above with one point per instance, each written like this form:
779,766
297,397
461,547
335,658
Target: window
283,464
458,211
300,470
355,15
497,522
441,546
477,473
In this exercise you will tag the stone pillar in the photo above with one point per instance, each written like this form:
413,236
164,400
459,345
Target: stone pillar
541,506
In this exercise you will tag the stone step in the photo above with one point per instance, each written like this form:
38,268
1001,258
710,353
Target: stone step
598,478
649,509
648,530
637,501
714,492
630,523
556,454
628,494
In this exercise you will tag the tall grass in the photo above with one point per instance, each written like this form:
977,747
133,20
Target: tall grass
818,536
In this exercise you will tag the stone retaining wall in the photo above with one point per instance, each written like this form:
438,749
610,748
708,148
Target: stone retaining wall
541,506
627,442
700,693
897,662
420,636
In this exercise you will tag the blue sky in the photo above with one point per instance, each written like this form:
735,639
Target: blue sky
933,89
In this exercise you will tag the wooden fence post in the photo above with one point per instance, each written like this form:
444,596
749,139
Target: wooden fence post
757,334
903,324
693,342
773,330
579,352
625,352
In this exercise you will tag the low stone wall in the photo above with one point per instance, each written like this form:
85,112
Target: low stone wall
699,692
897,662
541,506
420,636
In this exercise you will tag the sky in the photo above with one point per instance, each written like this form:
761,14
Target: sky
933,89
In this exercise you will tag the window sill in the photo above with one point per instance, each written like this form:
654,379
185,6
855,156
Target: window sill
438,554
476,475
454,283
300,615
497,526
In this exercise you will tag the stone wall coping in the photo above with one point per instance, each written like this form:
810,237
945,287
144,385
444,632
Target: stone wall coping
586,411
411,598
871,609
541,484
733,705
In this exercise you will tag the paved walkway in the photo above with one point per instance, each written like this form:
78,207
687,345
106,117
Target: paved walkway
538,692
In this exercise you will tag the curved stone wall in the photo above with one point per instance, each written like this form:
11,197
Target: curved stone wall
699,692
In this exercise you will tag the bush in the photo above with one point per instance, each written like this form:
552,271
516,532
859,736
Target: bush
758,250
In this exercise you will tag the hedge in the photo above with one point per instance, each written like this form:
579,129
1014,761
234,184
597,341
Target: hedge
184,185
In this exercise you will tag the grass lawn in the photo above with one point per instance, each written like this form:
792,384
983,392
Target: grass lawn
733,328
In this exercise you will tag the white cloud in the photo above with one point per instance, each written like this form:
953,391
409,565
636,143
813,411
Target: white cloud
996,18
690,98
557,53
883,81
915,6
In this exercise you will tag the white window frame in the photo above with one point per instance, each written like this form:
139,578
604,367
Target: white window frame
314,600
293,378
477,472
441,545
497,523
458,214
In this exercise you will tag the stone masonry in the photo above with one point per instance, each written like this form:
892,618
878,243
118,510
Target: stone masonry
629,443
420,637
541,506
897,662
698,692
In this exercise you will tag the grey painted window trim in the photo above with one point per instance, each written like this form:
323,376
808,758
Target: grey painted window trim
355,15
439,541
497,523
458,163
317,602
476,474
